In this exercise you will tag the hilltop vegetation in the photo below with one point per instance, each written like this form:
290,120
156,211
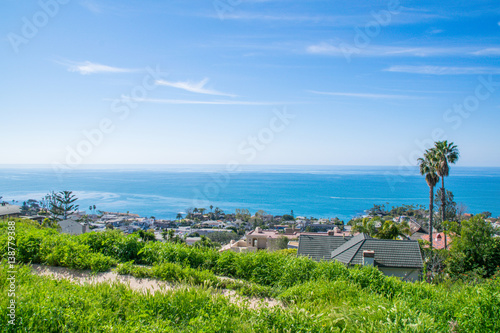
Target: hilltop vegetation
316,297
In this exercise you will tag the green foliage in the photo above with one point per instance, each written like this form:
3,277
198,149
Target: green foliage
113,243
47,246
62,203
365,225
392,230
223,237
450,205
146,236
316,296
474,249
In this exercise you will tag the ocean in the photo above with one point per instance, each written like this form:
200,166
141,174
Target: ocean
319,191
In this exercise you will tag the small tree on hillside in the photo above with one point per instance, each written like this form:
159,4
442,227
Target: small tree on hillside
62,203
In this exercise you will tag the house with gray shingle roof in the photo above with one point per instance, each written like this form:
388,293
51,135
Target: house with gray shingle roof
319,246
7,210
401,258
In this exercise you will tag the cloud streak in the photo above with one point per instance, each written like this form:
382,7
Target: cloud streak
192,102
87,67
340,49
443,70
363,95
194,87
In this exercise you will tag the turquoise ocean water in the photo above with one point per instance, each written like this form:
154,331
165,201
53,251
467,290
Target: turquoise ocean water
319,191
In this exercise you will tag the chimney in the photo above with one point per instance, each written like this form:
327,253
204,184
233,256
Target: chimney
258,230
330,233
368,258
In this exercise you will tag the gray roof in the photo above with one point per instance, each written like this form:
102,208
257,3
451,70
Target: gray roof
388,252
7,209
319,247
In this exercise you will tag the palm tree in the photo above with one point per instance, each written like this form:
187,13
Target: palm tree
179,216
365,226
392,230
428,168
445,153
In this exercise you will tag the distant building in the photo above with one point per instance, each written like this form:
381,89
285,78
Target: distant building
8,210
73,227
437,240
263,239
240,246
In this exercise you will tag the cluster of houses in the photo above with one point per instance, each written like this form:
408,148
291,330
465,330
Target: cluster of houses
320,239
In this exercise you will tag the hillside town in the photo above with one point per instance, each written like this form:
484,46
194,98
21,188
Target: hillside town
387,238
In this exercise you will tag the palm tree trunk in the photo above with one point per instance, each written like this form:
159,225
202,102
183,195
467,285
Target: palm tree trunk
443,213
431,208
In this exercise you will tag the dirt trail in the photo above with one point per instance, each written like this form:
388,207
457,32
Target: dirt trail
142,285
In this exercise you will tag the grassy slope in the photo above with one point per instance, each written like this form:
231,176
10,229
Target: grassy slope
318,296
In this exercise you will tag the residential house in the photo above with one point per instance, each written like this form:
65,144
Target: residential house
72,227
437,240
319,246
263,239
238,246
8,210
401,258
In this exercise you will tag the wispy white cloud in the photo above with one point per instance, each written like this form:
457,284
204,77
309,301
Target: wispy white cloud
196,87
490,51
377,50
363,95
88,67
222,102
339,49
443,70
91,6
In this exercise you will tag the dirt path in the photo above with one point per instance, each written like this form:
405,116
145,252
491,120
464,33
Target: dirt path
142,285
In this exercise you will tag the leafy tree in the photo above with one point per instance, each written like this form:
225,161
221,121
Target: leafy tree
486,214
446,153
474,249
223,237
205,242
242,214
287,217
428,168
280,243
365,225
377,210
147,236
50,223
260,213
170,236
392,230
218,212
450,205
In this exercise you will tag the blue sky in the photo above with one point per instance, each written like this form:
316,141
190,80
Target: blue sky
248,82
